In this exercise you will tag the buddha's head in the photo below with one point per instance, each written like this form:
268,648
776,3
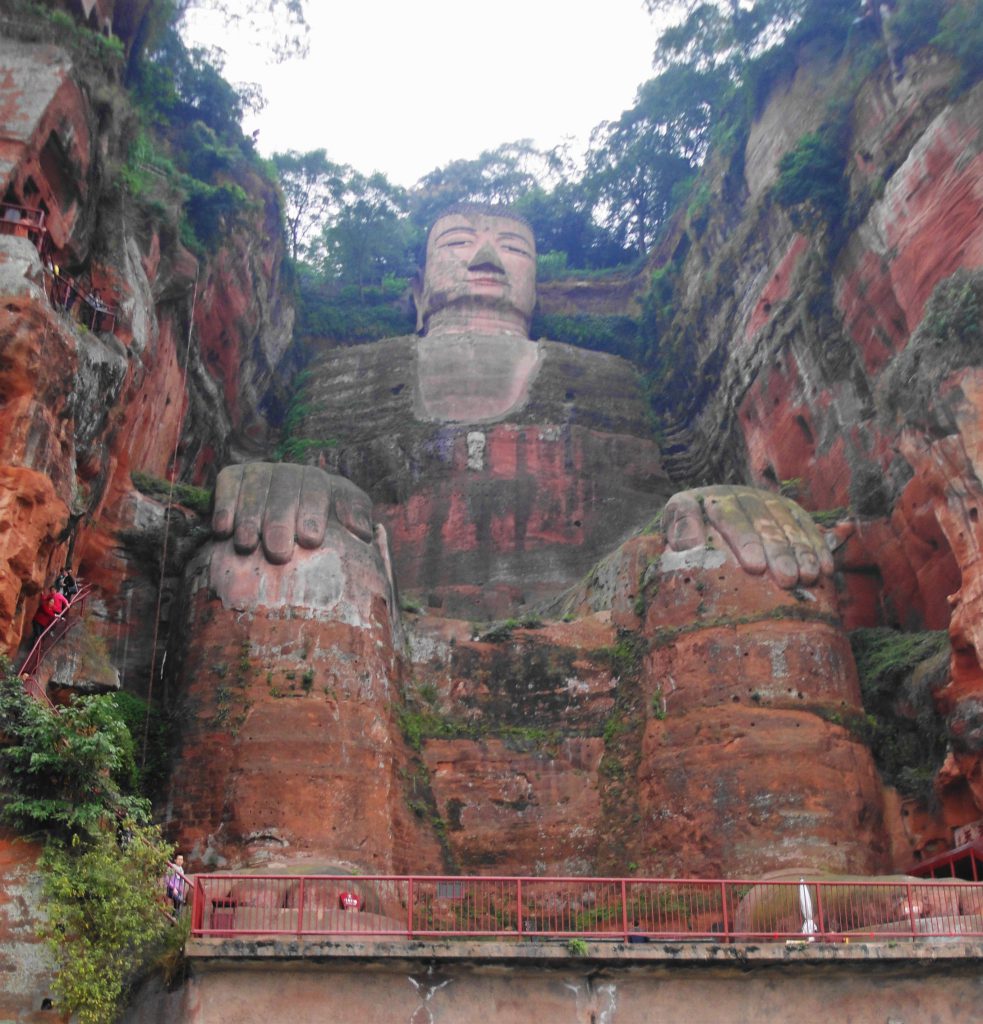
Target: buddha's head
480,272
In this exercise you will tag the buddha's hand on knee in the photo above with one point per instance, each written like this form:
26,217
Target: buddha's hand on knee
766,532
280,506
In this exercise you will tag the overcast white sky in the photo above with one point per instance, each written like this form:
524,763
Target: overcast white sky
404,87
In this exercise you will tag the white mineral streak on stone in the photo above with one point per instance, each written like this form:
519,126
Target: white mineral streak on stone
609,995
137,304
426,648
695,558
576,687
425,989
779,663
476,450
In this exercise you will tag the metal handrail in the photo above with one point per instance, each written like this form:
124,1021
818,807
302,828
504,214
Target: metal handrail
64,289
14,218
47,641
622,909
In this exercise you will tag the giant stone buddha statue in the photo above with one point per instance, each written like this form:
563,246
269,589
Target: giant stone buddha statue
483,472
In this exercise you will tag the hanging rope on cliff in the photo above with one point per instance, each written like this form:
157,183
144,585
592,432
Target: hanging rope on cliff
167,521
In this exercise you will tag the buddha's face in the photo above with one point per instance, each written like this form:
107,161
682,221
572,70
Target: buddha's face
482,261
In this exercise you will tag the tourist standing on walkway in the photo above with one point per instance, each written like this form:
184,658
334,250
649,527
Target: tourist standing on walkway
177,884
52,605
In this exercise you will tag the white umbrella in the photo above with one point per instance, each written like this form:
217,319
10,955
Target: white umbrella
809,926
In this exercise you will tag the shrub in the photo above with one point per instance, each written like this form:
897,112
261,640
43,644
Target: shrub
326,309
618,335
961,34
898,674
198,499
913,24
66,775
141,718
810,178
551,265
68,771
103,918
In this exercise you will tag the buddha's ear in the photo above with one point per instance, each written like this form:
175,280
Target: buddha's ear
416,286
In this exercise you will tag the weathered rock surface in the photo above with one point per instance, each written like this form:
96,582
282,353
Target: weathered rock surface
691,718
512,742
656,741
819,376
81,410
24,964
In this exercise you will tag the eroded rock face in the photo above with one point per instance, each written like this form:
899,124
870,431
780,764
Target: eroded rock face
24,963
81,409
750,684
522,722
694,719
821,380
695,716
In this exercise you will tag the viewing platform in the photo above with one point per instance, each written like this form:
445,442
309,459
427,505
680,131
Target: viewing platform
470,950
629,911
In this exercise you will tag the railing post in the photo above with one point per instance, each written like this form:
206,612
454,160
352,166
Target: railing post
409,909
911,910
820,919
518,905
198,907
723,904
624,907
300,908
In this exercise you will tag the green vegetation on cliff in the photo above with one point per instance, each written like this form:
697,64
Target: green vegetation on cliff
899,674
949,336
69,779
198,499
734,58
189,158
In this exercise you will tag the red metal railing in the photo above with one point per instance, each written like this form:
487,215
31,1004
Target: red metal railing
22,220
48,639
88,309
62,290
626,909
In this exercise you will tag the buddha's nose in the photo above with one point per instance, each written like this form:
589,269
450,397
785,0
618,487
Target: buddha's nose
486,259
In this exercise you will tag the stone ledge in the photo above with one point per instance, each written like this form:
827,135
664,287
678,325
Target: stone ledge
223,952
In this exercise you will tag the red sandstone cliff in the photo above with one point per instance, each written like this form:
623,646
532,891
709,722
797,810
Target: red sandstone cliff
188,375
835,363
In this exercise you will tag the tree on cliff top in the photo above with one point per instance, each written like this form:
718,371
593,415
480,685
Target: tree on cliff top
309,182
280,23
729,33
368,236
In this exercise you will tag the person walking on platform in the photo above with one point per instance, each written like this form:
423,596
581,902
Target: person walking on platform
53,604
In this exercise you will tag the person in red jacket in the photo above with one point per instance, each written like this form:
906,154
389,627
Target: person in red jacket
53,604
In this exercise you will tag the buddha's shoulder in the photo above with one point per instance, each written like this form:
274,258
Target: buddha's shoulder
594,389
363,379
